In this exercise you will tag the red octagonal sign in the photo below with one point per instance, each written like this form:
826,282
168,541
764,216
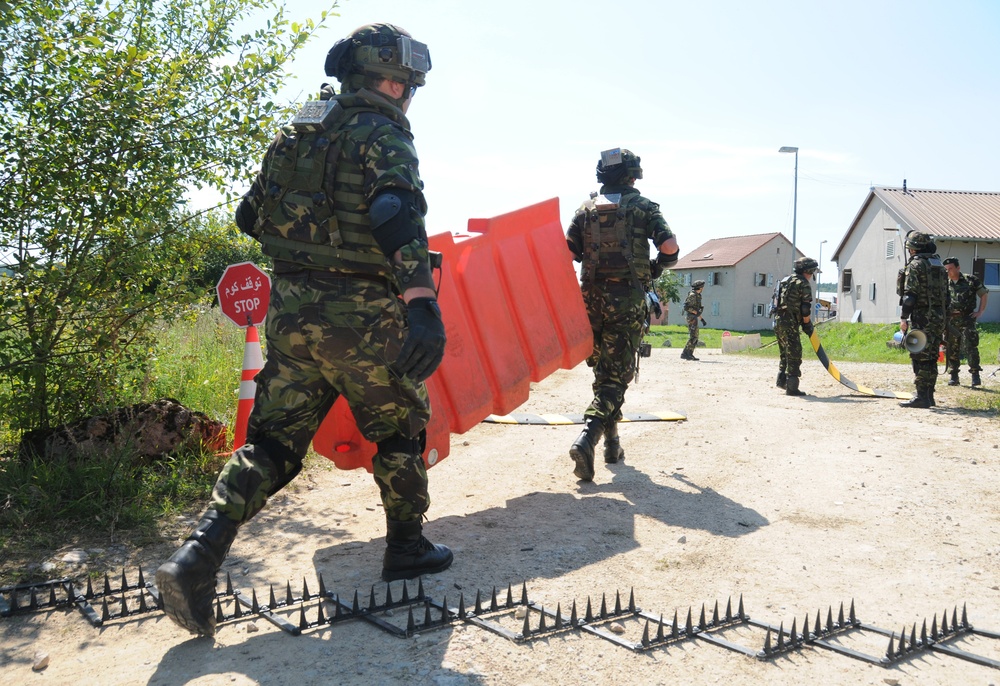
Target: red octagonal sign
244,292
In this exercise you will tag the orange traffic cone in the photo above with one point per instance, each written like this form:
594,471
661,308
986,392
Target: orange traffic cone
941,351
253,361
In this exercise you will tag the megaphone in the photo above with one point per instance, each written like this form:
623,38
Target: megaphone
915,341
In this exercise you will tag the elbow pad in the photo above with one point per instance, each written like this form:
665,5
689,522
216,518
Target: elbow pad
805,308
577,253
246,217
908,301
396,220
667,259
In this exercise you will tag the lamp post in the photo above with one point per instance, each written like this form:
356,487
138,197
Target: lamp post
820,260
795,197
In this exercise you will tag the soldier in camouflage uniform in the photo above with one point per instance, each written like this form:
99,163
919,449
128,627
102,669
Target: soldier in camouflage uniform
794,309
963,291
692,313
923,291
610,236
338,205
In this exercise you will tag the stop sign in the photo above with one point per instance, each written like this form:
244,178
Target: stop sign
244,291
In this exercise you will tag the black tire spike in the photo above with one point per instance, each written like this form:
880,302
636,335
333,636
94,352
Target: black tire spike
237,608
493,601
954,619
781,637
729,609
852,616
254,607
573,619
659,629
90,590
674,630
142,581
923,633
965,617
372,604
461,605
618,604
645,635
541,620
829,619
124,608
526,628
229,584
52,596
944,623
289,600
337,610
323,593
479,603
105,615
524,593
794,633
33,599
107,584
219,617
890,652
701,618
320,617
356,605
715,614
510,597
444,611
589,616
124,581
271,602
388,595
767,643
840,616
604,606
306,597
303,624
420,588
913,636
742,615
805,628
631,600
406,592
411,625
819,624
559,621
934,629
427,615
688,627
142,602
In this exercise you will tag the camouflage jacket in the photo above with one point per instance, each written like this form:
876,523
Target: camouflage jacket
964,294
312,194
611,259
925,287
795,292
692,305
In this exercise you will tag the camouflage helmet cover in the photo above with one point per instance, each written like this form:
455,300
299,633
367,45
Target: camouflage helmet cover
698,284
805,264
380,51
919,241
618,166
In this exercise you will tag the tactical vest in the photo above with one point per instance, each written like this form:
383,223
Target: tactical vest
777,296
937,285
314,211
963,294
614,249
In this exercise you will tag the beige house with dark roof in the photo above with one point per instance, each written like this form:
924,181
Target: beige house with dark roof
964,224
739,274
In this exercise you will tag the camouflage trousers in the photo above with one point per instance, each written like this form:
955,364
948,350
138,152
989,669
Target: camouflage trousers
617,316
693,328
327,337
786,330
961,329
924,363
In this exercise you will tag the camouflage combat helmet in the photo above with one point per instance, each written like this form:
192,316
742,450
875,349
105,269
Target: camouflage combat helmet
618,166
805,264
919,241
698,284
378,51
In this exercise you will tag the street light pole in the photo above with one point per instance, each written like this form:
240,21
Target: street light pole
795,196
820,260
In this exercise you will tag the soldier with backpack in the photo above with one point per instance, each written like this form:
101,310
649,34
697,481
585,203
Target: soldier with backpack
791,308
610,236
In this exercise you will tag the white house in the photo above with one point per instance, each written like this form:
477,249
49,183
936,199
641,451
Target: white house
964,224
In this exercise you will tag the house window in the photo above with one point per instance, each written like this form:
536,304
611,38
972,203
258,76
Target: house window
758,310
846,285
715,279
991,274
687,279
857,292
715,308
760,279
770,280
890,248
871,291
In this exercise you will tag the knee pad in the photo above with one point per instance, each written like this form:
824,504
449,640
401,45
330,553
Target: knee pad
287,464
401,444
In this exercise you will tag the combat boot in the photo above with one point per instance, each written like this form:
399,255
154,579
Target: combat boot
408,554
920,400
582,450
186,581
612,445
930,397
780,383
976,381
953,381
792,386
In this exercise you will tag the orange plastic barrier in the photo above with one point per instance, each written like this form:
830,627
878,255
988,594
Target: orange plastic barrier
513,314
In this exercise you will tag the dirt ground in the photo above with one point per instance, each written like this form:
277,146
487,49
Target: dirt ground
794,505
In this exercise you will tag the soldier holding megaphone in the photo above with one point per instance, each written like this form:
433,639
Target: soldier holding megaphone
923,296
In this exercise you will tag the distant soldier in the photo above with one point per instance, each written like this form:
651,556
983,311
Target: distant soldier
793,309
922,287
692,313
610,236
963,291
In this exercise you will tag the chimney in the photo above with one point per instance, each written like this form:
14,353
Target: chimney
904,186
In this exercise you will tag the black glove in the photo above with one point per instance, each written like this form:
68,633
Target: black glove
808,328
703,322
655,269
423,348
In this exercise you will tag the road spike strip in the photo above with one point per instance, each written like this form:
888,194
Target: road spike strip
289,600
965,617
254,607
479,603
541,620
524,593
237,608
794,632
388,594
105,615
356,606
688,628
767,643
494,606
322,587
306,596
410,623
90,590
372,603
107,584
840,616
229,584
124,581
729,609
645,634
741,613
320,617
701,618
781,637
715,614
852,616
559,620
589,617
461,605
303,624
526,628
631,600
573,619
604,606
618,603
659,629
510,597
219,617
427,614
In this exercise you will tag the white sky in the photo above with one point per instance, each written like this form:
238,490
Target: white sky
523,95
